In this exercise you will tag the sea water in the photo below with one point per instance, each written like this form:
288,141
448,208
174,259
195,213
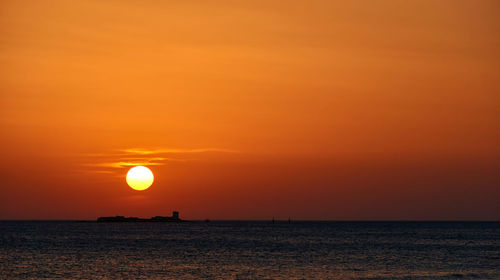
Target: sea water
250,250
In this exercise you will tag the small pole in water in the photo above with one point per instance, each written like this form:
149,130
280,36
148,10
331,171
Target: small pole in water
289,221
273,220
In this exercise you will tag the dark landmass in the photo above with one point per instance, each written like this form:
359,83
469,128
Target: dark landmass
160,219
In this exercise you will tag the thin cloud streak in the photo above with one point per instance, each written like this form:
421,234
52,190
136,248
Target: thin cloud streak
177,151
144,157
122,164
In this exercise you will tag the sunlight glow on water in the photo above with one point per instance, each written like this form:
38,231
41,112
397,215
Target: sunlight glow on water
250,250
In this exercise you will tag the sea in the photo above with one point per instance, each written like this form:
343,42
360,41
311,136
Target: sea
249,250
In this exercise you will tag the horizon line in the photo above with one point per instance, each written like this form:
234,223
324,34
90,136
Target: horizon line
265,220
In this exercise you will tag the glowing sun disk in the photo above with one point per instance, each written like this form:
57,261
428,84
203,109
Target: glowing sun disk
140,178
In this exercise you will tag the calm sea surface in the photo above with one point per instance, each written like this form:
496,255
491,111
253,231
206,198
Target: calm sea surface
250,250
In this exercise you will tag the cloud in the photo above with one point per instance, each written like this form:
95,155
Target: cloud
124,158
177,151
123,164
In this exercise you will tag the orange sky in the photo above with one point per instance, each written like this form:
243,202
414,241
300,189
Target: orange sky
251,109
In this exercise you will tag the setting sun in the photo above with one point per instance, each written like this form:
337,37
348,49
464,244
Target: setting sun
140,178
323,139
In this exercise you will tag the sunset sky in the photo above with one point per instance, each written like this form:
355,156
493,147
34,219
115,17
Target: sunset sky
325,110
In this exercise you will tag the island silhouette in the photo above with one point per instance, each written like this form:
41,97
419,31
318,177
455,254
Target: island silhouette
122,219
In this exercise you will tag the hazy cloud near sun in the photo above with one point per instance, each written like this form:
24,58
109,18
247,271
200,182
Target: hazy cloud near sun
146,157
176,151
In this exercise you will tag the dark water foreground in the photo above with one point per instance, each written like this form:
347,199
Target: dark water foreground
250,250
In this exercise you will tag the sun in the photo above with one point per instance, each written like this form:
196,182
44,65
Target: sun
140,178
